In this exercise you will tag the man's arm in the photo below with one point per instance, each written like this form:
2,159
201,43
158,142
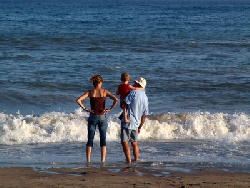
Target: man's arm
143,119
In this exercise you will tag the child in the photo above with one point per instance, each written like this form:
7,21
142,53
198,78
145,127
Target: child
123,90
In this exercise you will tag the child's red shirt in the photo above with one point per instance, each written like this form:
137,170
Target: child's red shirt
123,90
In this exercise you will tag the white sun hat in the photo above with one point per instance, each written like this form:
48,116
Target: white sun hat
142,82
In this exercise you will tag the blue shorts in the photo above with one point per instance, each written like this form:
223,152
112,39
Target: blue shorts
128,135
101,122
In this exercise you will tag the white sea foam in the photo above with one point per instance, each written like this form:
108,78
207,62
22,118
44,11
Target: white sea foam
61,127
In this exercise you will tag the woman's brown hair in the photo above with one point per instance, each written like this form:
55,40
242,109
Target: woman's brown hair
96,79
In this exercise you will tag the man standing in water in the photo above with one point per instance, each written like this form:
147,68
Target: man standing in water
137,103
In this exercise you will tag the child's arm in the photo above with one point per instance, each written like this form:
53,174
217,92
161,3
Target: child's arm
135,88
117,91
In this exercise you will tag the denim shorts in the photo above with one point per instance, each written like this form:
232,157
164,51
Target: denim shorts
101,122
128,135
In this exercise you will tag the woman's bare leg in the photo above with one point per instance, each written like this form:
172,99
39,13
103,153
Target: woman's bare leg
88,153
103,154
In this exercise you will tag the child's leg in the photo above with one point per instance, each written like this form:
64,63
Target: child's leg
125,115
121,105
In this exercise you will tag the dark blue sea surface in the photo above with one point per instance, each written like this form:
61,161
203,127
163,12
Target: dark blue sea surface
195,56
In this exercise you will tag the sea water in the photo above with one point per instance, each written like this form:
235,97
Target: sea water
193,54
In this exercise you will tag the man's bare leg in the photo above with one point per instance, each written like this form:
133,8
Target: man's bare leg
88,153
135,150
103,154
126,150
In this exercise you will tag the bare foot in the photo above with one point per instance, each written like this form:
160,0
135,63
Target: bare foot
127,121
128,161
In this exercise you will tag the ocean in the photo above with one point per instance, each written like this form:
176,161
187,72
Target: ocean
194,54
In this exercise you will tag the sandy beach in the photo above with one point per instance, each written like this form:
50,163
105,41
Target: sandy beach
127,177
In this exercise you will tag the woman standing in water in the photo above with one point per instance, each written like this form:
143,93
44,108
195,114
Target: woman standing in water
97,115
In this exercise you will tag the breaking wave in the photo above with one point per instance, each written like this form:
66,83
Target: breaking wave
72,127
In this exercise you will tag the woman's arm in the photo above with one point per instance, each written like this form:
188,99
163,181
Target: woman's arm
81,98
115,100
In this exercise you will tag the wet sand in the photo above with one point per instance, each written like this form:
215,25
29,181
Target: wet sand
123,178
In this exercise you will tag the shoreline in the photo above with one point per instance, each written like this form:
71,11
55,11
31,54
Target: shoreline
121,178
